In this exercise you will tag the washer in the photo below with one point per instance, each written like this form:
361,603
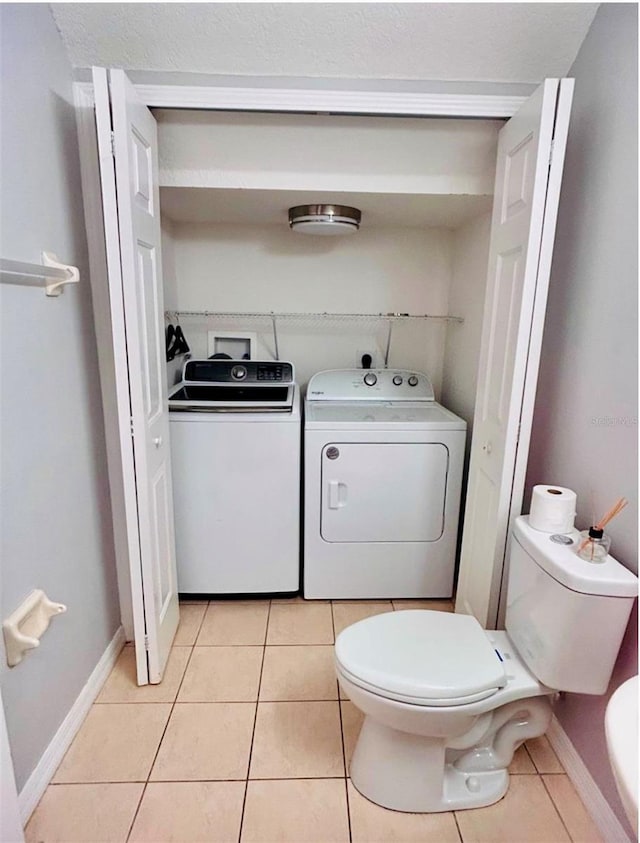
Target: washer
235,452
383,474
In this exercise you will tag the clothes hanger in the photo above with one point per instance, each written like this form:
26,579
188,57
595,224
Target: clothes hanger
170,342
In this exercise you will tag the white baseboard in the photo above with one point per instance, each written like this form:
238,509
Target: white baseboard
601,812
37,782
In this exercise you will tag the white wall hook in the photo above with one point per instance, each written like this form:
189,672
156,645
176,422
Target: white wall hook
24,627
54,288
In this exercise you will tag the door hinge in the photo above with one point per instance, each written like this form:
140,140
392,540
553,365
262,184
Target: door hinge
113,144
550,151
146,643
131,426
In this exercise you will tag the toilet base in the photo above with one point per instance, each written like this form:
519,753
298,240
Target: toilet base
407,772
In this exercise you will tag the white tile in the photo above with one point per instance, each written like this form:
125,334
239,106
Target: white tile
189,812
234,623
308,623
222,674
206,741
574,814
297,740
116,743
372,824
122,685
302,811
84,813
298,673
526,814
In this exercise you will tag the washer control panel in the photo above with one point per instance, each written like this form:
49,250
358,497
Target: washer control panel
237,371
370,385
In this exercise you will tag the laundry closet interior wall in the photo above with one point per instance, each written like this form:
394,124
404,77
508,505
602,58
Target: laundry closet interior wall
424,187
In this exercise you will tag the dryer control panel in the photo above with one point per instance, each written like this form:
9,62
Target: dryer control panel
370,385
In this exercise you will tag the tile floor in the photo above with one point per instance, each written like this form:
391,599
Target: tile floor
247,740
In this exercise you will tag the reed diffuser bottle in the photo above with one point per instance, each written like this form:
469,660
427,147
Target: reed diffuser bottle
594,545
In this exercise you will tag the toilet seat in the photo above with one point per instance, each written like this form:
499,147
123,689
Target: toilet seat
421,657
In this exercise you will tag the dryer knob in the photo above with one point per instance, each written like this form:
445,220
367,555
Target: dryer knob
397,380
370,379
239,373
412,381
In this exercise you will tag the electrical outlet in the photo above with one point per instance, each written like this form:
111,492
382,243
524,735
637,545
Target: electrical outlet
371,353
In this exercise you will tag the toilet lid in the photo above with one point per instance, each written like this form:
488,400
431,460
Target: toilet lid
421,656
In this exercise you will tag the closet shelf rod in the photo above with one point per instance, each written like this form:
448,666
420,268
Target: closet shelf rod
53,273
319,315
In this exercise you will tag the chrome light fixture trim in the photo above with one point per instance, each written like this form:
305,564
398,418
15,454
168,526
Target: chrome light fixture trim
324,219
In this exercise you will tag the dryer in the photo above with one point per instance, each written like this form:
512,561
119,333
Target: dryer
383,475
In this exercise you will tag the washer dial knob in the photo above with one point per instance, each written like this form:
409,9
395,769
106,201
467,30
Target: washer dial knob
412,381
397,380
371,379
239,373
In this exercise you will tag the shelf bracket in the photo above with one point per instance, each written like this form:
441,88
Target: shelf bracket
274,327
53,273
388,348
53,287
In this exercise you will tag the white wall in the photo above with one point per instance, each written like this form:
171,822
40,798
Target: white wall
585,422
470,254
169,266
269,268
56,518
326,152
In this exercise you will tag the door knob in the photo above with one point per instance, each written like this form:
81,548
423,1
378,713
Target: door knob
157,441
487,447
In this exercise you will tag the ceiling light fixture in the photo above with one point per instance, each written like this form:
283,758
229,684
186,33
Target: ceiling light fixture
324,219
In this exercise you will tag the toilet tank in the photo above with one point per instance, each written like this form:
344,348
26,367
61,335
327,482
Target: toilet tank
565,616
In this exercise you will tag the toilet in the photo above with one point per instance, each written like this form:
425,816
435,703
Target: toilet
447,703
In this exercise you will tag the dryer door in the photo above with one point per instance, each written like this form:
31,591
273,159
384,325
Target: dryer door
383,492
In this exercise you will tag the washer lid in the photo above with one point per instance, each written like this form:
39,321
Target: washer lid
422,654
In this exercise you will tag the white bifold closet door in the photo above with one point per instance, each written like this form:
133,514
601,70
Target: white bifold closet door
128,152
531,151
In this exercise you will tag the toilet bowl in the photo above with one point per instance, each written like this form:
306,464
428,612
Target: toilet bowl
447,703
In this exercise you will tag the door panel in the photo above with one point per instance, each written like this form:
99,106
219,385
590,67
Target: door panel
383,492
136,157
142,348
523,224
121,365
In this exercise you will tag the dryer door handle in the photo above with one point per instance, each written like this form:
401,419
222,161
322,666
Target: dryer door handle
337,494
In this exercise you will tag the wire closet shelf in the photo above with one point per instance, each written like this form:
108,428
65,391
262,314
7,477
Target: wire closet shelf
318,318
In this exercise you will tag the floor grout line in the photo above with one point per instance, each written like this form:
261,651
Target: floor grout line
173,705
344,751
203,781
458,829
255,720
218,646
553,802
136,812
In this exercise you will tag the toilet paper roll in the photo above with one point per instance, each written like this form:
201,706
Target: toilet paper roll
553,509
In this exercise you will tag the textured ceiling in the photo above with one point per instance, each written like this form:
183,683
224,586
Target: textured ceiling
502,42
